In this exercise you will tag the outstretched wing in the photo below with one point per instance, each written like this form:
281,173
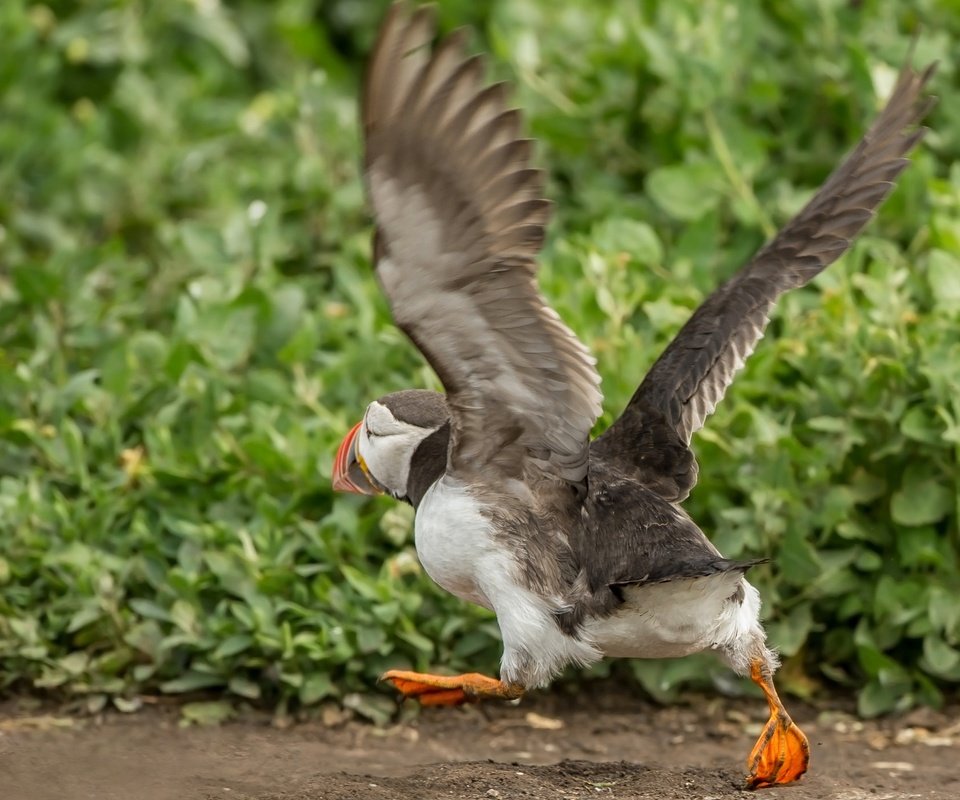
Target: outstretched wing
460,220
688,380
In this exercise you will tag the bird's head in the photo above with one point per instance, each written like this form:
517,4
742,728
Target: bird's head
398,448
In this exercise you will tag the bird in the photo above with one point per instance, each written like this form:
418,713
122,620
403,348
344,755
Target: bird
581,547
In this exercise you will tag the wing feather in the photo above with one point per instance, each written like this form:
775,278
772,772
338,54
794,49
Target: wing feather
460,221
690,378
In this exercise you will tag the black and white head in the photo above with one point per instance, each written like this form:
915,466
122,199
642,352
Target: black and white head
398,448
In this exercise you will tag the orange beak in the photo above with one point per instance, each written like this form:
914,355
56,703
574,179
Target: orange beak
349,472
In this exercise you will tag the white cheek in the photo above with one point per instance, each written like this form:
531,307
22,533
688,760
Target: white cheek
388,459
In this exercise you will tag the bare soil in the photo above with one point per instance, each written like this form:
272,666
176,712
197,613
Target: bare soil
597,744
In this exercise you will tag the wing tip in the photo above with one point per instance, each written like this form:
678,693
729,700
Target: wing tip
400,28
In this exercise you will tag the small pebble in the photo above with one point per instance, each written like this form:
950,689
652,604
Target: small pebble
896,766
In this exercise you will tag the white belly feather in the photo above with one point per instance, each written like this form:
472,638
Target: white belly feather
679,617
452,537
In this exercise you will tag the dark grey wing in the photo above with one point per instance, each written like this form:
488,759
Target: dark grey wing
688,380
460,221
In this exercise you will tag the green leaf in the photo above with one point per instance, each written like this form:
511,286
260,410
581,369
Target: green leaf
686,191
149,609
944,609
797,559
369,640
215,25
365,585
921,425
943,272
191,682
36,284
636,238
127,705
377,708
207,713
233,645
921,499
244,687
875,699
225,334
789,633
90,613
422,643
941,657
315,687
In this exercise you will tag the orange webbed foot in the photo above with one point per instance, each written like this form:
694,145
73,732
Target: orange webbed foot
782,753
450,690
780,756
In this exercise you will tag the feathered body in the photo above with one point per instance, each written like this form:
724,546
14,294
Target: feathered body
633,577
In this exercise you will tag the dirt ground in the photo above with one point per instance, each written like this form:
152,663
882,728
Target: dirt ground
599,743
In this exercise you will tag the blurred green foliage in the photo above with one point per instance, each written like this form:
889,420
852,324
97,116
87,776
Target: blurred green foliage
188,325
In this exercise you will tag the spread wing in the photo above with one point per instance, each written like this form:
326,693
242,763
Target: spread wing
688,380
460,220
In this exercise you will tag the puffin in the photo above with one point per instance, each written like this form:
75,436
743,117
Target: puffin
580,547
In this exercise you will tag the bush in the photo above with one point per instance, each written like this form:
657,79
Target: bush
189,324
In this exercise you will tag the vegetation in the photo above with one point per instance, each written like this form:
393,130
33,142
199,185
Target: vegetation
189,324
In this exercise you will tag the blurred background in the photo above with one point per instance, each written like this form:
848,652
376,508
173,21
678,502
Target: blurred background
189,325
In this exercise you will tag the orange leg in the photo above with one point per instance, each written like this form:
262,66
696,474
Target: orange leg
782,752
450,690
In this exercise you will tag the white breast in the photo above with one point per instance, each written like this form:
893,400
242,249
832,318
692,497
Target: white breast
452,538
459,550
